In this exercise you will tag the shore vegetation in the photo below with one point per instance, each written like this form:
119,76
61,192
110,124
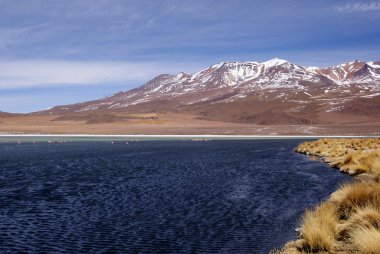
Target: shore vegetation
349,221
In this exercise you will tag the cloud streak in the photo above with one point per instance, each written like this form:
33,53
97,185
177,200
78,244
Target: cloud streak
39,73
359,7
120,44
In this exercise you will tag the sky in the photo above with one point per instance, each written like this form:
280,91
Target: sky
55,52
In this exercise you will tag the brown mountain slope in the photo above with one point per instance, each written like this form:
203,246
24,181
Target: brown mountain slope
275,92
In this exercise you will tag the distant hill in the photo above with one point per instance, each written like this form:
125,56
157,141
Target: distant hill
5,114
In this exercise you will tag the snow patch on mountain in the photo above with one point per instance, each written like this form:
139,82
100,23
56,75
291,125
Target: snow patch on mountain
274,62
218,81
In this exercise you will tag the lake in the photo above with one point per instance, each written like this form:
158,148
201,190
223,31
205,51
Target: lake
235,196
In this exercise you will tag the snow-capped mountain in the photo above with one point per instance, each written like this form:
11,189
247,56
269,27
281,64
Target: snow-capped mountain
248,84
274,73
352,72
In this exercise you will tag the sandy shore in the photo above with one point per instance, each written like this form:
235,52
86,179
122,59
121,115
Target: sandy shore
105,137
349,221
175,124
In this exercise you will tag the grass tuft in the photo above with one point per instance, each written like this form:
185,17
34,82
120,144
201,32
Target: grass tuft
349,197
319,228
366,240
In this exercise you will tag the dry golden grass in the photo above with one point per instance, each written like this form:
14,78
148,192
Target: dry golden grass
349,222
350,197
319,228
353,156
367,217
365,240
375,169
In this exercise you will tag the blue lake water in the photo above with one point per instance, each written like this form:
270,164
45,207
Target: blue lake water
156,196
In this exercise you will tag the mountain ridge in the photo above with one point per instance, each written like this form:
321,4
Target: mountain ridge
305,93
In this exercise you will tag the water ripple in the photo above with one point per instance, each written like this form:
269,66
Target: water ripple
156,197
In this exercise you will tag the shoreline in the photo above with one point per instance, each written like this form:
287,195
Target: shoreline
349,220
176,136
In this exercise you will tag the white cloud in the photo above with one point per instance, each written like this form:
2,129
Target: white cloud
30,73
359,7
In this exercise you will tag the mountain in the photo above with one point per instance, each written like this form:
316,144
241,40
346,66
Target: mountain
272,92
352,72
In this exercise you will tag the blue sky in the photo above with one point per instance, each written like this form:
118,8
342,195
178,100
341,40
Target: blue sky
56,52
